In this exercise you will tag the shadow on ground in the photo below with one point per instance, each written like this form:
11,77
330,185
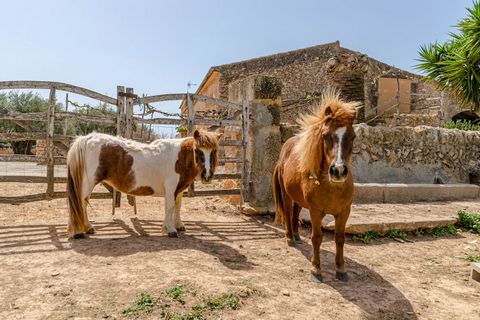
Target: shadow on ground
117,238
377,297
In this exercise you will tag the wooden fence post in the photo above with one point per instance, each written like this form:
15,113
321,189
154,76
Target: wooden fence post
245,167
129,114
65,121
129,133
50,145
116,196
191,120
120,111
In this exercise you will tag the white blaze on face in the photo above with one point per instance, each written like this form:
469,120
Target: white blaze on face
340,132
207,154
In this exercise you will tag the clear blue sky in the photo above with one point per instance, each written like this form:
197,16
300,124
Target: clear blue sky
158,46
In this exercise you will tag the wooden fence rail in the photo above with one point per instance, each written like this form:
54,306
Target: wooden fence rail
59,86
124,121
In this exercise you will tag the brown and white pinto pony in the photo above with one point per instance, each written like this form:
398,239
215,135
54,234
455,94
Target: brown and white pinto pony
165,167
313,172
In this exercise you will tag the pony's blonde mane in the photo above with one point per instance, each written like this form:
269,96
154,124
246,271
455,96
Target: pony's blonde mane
310,147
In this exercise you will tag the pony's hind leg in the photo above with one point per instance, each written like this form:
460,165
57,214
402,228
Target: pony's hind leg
87,226
287,218
296,214
176,218
340,222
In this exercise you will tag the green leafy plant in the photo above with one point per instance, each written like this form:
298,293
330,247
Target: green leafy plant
143,304
454,65
472,258
469,221
199,311
461,125
176,293
223,301
182,128
418,232
192,315
366,237
438,232
394,233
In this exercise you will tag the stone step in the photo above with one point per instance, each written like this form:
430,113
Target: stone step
475,275
382,217
405,193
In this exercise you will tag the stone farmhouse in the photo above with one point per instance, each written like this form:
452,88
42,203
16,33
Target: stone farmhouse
304,73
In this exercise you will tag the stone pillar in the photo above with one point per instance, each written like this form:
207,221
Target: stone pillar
264,138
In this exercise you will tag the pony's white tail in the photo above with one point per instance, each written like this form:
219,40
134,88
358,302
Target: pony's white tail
75,172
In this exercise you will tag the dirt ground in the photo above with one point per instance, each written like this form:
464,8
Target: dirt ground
45,276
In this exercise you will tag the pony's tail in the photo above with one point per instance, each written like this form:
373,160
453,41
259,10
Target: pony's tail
75,172
277,196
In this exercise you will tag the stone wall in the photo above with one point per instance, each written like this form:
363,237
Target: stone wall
413,120
306,72
412,155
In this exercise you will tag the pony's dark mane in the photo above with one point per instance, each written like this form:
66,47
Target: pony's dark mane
310,146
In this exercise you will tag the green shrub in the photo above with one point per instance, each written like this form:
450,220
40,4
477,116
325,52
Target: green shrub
461,125
470,221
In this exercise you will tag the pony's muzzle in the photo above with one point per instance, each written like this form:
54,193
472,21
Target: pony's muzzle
206,176
338,172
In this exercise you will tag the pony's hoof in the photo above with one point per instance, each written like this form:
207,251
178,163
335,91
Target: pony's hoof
342,276
181,228
291,242
91,230
78,236
296,237
317,278
173,234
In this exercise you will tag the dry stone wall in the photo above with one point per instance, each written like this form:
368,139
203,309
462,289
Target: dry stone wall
412,155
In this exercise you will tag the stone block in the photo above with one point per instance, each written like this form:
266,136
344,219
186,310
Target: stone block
475,275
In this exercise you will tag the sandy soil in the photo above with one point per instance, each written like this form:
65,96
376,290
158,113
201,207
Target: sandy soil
45,276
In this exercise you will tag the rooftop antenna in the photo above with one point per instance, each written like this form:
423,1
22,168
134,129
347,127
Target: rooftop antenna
190,84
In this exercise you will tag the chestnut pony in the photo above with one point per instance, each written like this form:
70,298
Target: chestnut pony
313,172
165,167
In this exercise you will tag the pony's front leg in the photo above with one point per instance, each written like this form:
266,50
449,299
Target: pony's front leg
176,218
340,222
316,220
168,225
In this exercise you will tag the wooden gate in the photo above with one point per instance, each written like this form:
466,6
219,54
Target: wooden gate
123,123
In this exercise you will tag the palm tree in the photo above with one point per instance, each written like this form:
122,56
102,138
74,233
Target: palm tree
454,66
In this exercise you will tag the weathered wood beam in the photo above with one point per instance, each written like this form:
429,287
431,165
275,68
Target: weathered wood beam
43,196
42,116
161,97
223,176
19,136
222,123
160,121
217,192
31,179
229,160
20,158
27,84
50,152
231,143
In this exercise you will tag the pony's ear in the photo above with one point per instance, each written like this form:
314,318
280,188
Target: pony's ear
328,111
196,134
219,135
